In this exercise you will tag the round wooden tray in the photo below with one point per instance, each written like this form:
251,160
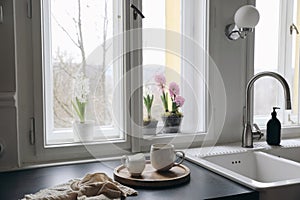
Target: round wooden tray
151,178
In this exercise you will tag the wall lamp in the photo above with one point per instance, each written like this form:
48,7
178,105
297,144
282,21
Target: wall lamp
245,19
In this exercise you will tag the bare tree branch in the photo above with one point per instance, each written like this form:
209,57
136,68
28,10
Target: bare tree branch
108,46
102,71
80,42
63,106
64,66
60,120
65,69
64,30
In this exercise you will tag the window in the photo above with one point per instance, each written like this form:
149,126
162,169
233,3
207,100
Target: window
276,49
94,39
173,55
78,39
86,27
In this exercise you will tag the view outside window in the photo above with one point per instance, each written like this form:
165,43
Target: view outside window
78,40
157,61
81,74
165,20
277,51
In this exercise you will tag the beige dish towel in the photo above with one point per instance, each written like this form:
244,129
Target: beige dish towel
97,186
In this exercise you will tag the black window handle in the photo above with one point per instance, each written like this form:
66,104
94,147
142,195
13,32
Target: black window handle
1,14
292,28
136,11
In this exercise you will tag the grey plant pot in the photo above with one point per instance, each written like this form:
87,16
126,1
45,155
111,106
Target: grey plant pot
171,123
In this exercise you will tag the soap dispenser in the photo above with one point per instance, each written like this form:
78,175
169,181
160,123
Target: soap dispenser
274,129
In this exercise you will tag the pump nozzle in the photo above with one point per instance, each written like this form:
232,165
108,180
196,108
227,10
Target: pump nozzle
274,111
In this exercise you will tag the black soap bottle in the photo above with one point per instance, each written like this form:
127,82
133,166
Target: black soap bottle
274,129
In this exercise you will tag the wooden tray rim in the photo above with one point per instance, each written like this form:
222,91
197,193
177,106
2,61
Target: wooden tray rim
118,168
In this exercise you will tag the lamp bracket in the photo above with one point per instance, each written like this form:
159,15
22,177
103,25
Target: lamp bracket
232,32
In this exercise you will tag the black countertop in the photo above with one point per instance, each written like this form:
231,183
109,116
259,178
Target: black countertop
203,184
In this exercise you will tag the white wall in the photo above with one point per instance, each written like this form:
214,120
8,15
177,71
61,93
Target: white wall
229,56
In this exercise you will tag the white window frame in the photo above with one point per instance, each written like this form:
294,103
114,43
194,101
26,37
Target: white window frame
37,152
134,141
284,62
65,136
191,31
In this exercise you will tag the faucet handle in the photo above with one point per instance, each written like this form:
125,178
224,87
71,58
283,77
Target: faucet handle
256,127
257,134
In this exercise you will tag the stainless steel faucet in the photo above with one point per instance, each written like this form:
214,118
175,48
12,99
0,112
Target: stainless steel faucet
248,134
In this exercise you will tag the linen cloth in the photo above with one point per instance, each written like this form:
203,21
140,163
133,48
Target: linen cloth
97,186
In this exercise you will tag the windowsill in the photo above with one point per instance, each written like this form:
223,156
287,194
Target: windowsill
65,137
180,140
171,135
262,120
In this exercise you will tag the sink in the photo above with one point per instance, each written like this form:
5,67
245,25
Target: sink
292,153
272,176
258,167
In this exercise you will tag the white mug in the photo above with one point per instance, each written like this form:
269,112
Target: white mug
135,164
163,156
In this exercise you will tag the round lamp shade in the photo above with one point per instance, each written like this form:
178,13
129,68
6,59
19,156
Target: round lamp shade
246,17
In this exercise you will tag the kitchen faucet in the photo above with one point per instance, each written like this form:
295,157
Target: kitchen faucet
248,134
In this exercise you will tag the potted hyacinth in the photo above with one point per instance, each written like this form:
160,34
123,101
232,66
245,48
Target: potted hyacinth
171,118
83,129
149,123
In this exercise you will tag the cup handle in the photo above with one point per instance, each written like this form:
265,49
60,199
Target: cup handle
123,160
180,160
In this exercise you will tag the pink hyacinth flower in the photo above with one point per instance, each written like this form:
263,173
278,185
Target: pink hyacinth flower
179,100
174,89
161,80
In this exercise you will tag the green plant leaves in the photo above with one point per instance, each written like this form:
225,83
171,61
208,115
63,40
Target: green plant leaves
148,101
79,107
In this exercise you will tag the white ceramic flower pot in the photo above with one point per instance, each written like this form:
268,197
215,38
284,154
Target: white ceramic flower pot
150,128
84,132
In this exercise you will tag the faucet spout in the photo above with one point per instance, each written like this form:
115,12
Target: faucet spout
247,138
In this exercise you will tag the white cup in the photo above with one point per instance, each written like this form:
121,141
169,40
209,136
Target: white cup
163,156
135,164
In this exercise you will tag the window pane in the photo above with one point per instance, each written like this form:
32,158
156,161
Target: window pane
266,56
275,52
78,40
164,56
295,64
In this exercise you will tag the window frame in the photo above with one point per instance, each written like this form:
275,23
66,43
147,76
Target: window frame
187,140
285,53
134,142
38,152
52,135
